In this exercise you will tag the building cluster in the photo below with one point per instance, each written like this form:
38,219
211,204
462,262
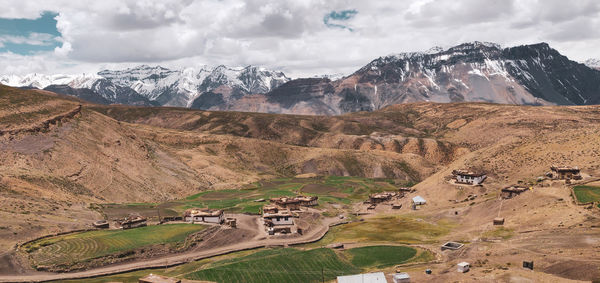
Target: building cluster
385,197
278,216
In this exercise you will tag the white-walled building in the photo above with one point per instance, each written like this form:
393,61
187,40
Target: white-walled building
204,215
469,177
273,215
463,267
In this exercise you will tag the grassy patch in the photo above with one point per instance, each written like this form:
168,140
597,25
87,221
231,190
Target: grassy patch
499,232
79,247
397,229
586,194
380,256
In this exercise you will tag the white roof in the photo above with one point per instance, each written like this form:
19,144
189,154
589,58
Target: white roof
402,275
419,199
464,263
377,277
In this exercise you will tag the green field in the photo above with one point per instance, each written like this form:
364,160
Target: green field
330,190
73,248
280,265
585,194
391,228
380,256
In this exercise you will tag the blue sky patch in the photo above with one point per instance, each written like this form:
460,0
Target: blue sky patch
25,36
335,19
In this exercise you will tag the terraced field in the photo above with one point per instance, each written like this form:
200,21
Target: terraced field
331,189
280,265
69,249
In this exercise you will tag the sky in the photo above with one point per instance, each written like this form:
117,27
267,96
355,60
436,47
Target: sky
300,37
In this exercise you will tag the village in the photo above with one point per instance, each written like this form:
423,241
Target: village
290,216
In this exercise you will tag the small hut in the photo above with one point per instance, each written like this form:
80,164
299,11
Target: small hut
463,267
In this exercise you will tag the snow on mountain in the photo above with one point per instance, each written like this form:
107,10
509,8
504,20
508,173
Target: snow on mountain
41,81
159,85
593,63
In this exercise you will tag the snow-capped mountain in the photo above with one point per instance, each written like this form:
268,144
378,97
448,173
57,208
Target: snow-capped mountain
477,71
593,63
147,85
41,81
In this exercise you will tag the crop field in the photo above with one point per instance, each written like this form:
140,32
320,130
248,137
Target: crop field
280,265
79,247
391,228
586,194
331,189
380,256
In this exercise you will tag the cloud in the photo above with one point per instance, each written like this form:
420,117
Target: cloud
39,39
301,37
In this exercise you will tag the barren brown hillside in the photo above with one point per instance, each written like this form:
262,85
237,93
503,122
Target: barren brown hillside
52,171
58,157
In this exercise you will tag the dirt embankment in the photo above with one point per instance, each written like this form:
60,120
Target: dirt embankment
43,125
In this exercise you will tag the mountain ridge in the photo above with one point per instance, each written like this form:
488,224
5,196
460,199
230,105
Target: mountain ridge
534,74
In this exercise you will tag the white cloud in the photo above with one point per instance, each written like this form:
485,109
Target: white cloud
291,34
40,39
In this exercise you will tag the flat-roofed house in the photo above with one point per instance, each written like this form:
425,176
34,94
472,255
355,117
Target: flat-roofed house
308,200
132,221
566,172
469,177
204,215
286,202
381,197
277,216
294,203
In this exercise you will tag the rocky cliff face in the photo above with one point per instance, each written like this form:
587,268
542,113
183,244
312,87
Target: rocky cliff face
530,75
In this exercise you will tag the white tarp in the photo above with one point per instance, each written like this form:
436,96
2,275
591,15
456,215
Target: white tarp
419,200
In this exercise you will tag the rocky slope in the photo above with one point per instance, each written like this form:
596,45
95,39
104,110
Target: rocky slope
531,75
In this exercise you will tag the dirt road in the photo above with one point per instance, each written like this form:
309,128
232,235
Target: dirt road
172,260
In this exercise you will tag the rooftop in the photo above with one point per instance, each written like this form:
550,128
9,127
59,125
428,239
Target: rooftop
203,212
376,277
564,168
464,172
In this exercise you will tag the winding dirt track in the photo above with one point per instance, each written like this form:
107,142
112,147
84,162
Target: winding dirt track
173,260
